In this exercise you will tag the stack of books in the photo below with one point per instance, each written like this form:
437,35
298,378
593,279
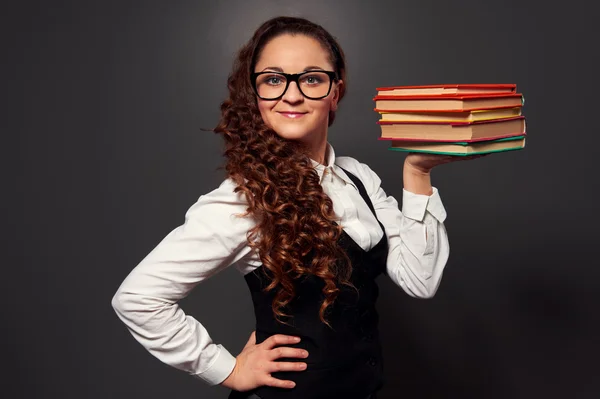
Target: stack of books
460,119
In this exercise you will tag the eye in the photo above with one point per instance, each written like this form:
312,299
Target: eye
272,80
314,79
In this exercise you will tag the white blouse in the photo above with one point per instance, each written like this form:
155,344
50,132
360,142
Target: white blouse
213,238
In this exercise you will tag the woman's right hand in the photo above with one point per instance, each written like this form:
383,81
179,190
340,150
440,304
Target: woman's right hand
255,363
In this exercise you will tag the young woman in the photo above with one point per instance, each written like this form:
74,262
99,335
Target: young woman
309,231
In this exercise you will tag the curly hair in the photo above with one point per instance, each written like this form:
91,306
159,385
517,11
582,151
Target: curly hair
296,234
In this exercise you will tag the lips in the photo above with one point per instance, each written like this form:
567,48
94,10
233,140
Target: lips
292,114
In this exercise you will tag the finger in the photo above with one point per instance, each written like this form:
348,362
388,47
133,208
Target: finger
274,382
280,339
286,366
469,158
283,351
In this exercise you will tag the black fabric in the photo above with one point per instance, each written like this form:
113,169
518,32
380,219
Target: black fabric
345,362
255,396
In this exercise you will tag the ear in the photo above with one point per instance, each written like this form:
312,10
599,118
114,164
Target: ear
336,96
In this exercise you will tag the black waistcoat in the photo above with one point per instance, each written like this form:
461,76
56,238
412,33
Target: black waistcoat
345,362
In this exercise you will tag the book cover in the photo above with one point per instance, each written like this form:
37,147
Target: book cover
462,148
449,96
452,116
448,89
453,131
446,102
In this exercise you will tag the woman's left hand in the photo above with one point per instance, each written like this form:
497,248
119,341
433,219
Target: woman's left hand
423,163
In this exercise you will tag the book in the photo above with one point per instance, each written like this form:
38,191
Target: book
447,89
461,148
453,131
451,116
447,102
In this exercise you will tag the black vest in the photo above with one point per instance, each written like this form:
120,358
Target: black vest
345,362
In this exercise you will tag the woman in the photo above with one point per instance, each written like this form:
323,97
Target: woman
310,233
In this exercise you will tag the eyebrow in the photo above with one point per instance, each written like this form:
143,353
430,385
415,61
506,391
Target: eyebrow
308,68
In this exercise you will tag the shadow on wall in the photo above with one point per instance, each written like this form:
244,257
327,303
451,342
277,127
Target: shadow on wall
525,330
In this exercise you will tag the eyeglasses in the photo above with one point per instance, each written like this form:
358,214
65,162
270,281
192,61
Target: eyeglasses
313,85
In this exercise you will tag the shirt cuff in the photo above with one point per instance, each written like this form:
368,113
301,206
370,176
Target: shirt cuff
415,205
220,369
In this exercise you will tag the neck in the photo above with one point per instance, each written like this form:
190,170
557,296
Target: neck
318,149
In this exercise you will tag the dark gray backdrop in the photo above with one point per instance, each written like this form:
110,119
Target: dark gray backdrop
105,101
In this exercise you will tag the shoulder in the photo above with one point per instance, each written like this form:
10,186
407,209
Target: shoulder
222,200
347,163
360,169
352,165
226,191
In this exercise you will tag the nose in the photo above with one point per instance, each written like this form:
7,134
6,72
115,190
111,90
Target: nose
293,94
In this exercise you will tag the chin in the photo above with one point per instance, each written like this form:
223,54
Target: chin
292,133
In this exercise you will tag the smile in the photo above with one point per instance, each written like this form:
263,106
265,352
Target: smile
293,115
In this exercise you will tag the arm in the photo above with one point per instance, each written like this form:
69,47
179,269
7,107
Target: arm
211,239
417,239
416,181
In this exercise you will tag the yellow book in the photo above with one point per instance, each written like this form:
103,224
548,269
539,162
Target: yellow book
469,116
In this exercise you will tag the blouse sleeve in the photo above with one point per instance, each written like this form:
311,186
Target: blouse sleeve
211,238
417,238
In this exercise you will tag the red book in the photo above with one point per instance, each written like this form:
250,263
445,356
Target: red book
447,102
434,90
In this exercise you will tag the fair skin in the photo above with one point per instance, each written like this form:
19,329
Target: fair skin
308,123
296,117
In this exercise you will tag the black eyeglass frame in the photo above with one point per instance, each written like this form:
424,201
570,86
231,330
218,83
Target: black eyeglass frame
293,77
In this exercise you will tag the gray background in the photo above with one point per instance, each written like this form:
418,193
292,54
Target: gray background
105,100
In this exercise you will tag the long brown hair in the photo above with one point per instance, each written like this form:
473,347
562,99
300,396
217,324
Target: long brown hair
296,234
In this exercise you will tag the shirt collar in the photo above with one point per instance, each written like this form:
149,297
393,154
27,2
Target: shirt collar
331,167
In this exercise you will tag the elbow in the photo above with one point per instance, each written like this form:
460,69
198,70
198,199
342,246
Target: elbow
422,289
138,309
428,289
126,304
428,294
118,303
423,293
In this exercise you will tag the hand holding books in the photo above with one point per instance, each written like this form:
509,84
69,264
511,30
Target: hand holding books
467,119
423,162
